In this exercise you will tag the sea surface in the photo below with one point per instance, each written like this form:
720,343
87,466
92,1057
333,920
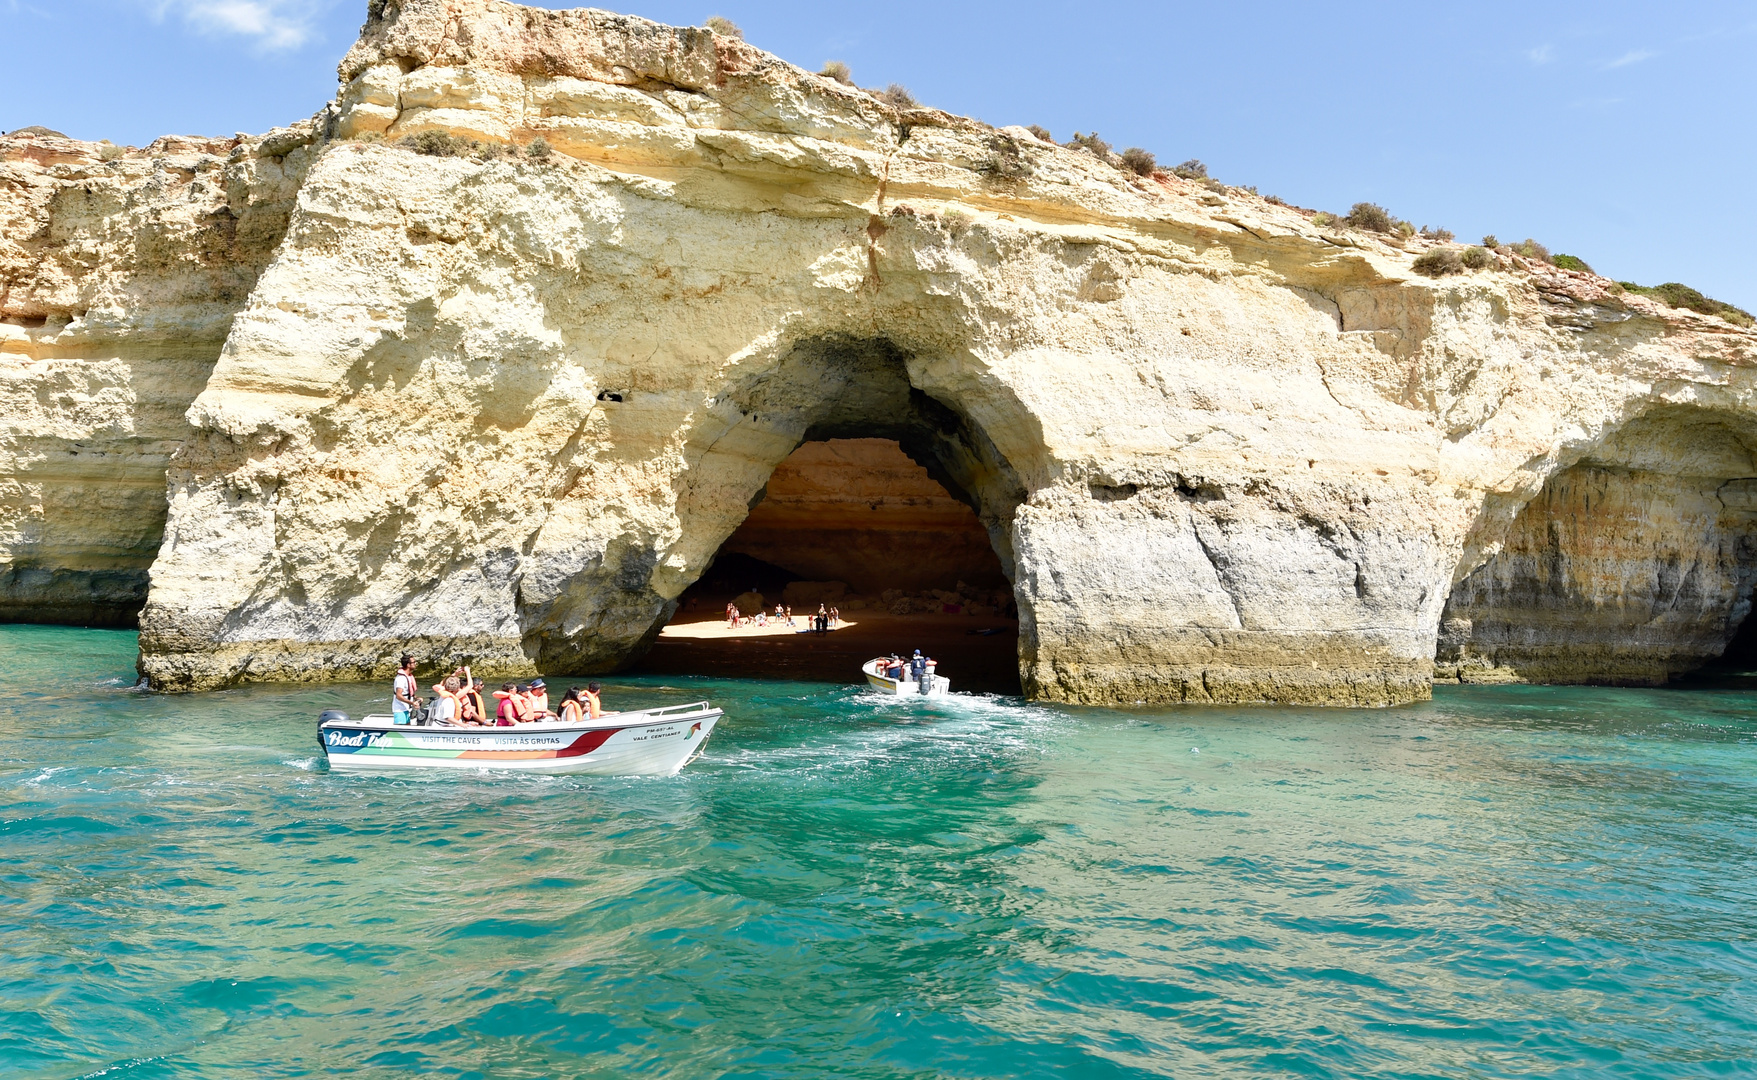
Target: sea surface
1504,882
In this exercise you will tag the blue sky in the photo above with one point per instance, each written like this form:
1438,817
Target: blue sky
1624,133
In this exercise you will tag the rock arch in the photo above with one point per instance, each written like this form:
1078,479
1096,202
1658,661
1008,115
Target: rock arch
1631,566
824,387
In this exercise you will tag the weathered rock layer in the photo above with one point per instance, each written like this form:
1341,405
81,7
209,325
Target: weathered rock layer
510,406
119,276
859,511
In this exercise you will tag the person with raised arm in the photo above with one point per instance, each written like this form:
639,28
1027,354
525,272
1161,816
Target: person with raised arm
475,710
446,708
573,707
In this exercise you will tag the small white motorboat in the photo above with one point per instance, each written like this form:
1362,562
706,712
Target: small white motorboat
648,742
931,685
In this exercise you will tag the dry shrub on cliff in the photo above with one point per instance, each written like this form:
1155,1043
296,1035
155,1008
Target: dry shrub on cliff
1006,160
1678,295
1370,216
1531,249
838,71
897,96
1275,200
1476,258
1092,144
1444,236
539,150
1439,262
1191,170
1571,262
1138,161
109,151
723,26
439,144
1041,133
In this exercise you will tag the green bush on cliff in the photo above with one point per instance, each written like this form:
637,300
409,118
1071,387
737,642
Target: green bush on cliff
1138,161
1674,294
1092,144
1476,258
1191,170
1571,262
1371,217
1531,249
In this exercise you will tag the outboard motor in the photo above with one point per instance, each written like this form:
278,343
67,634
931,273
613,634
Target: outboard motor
325,717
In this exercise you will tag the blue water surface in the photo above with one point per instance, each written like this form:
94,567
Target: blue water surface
1504,882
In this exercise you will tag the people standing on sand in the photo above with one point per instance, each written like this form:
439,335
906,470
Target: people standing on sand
790,621
835,618
403,699
731,616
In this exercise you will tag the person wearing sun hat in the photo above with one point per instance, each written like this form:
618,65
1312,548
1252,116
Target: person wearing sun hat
538,699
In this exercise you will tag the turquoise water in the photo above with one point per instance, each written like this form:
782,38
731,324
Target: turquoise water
1504,882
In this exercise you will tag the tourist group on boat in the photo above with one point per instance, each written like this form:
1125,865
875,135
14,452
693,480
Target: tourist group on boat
459,701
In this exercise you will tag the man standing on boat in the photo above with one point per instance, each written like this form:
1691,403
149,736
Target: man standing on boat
402,691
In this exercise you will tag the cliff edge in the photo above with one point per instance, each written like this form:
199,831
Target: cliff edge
488,400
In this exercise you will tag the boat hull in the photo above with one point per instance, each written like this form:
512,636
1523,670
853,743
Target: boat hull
653,743
938,685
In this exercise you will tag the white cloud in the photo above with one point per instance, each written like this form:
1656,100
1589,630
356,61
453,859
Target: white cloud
1633,56
272,24
1540,55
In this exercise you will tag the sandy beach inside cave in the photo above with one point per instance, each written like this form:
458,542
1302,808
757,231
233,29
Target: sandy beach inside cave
698,642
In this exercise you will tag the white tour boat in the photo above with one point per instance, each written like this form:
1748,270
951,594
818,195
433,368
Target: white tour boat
931,685
647,742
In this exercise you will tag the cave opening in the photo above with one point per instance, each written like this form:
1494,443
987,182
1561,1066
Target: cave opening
1634,566
832,477
859,526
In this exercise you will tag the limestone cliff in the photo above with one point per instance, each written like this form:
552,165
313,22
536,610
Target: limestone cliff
120,271
511,407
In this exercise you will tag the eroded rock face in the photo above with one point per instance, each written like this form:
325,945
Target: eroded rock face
1631,567
509,408
860,512
120,271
